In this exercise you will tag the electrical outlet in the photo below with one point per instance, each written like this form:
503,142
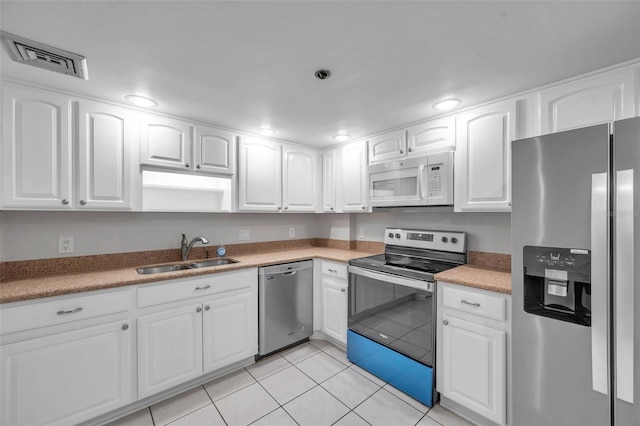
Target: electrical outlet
65,245
292,232
361,233
243,235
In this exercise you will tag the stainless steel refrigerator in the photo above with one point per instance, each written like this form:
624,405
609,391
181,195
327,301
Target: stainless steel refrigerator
576,272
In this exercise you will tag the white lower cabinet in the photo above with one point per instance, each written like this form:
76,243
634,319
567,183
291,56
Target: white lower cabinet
169,348
473,330
214,326
69,377
334,286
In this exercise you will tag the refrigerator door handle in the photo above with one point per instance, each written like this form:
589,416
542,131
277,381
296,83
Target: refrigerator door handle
599,221
624,256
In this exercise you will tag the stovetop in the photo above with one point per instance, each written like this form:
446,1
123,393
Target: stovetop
417,253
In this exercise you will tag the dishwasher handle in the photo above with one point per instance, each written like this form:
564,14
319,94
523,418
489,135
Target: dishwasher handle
290,273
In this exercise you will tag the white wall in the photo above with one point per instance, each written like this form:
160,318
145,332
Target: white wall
34,235
489,232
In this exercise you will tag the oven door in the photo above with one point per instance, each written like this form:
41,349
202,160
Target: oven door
394,311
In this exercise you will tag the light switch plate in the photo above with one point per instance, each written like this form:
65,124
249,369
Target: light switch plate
292,232
65,245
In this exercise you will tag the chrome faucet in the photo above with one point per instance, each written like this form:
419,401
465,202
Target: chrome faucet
186,248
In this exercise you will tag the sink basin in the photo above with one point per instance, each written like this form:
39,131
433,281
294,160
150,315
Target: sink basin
181,266
160,269
212,262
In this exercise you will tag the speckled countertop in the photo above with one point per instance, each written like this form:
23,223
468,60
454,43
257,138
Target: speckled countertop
18,289
478,276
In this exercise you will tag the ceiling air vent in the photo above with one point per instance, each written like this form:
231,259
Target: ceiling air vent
43,56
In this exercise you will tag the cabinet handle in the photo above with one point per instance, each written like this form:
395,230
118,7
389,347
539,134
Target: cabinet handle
187,165
332,270
83,203
331,208
65,202
409,149
477,305
343,290
198,166
73,311
198,309
401,152
206,308
125,327
206,287
286,208
364,207
445,322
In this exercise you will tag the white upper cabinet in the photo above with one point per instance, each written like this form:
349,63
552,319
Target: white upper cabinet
36,149
353,184
165,142
278,177
387,146
260,179
300,179
329,181
483,157
432,137
593,100
214,151
105,138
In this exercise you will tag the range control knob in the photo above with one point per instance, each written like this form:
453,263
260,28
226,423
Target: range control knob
390,234
444,239
397,235
454,240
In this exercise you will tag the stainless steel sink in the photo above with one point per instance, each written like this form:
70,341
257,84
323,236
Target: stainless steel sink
161,269
181,266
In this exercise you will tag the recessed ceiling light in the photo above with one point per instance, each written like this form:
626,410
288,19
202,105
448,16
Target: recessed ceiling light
266,131
141,101
447,104
342,137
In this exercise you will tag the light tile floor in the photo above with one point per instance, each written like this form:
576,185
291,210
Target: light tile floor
310,384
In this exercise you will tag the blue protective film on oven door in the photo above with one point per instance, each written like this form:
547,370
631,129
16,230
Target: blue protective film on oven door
411,377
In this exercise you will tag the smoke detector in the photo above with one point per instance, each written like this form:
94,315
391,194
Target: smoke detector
40,55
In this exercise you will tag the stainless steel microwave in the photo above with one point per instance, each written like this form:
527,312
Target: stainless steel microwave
417,181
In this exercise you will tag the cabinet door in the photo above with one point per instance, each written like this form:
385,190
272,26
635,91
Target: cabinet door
599,99
334,309
387,146
483,158
67,378
354,182
260,181
165,142
36,149
474,365
106,135
329,181
432,137
230,328
300,192
214,151
169,348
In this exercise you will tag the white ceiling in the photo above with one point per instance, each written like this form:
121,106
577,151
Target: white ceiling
246,64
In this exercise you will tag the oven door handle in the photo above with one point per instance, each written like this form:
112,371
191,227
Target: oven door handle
394,279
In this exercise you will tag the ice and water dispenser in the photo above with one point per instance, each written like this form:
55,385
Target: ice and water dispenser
557,283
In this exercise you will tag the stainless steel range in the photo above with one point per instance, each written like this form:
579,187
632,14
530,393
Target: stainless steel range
392,307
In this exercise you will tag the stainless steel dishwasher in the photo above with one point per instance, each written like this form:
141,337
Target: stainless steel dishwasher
285,304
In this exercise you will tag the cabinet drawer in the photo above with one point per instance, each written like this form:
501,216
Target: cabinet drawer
60,311
187,288
332,269
485,305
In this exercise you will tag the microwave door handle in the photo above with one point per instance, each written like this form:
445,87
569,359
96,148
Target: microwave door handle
599,299
421,194
624,279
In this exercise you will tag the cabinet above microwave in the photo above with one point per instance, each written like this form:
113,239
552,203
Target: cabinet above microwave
418,181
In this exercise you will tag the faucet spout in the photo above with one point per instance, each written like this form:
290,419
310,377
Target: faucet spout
186,248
